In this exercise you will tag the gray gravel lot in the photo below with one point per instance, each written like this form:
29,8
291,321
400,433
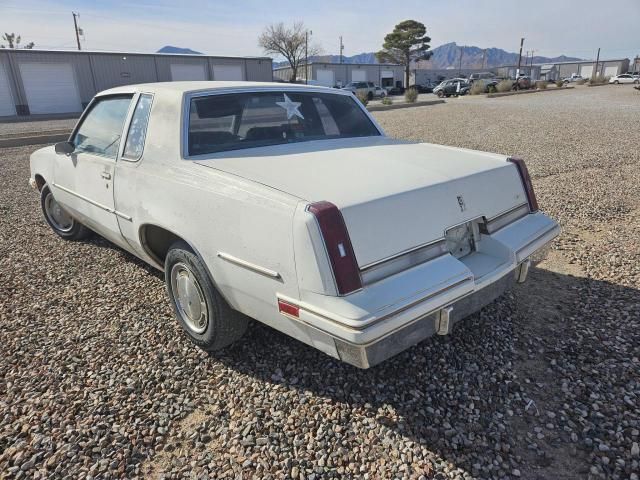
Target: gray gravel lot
16,128
97,380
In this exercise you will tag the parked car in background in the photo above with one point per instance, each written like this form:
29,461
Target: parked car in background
522,83
488,84
363,88
481,76
379,92
252,200
624,78
396,90
573,78
453,87
422,88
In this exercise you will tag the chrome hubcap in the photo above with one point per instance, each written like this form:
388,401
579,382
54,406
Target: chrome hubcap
189,298
60,219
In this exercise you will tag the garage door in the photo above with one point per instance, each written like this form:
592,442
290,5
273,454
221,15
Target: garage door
227,72
586,71
359,76
325,77
181,71
7,107
50,88
611,71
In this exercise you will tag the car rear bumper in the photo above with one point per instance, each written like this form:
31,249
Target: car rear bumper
389,316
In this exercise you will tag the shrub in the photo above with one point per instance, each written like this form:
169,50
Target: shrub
541,84
387,101
582,81
477,88
411,95
559,83
362,96
600,79
504,85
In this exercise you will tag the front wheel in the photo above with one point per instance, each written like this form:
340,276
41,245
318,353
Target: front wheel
203,314
63,224
617,82
440,94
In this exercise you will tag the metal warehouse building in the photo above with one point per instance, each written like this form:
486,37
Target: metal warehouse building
34,82
339,74
560,70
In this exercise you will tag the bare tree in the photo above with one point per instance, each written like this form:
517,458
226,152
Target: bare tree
290,42
13,41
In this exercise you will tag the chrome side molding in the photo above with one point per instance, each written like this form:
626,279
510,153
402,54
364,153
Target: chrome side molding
249,266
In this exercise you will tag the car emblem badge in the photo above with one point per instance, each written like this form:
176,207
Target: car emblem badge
463,207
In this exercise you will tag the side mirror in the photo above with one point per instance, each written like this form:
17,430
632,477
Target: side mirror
65,148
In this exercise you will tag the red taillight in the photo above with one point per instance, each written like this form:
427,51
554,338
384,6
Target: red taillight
336,239
526,182
289,309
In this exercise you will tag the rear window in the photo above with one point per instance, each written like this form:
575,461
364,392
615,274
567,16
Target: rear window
219,123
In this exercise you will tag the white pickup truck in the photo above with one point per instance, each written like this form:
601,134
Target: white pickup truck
289,205
573,78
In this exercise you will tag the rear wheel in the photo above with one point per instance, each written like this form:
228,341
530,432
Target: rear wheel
63,224
204,315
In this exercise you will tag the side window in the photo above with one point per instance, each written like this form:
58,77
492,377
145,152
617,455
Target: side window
138,128
101,129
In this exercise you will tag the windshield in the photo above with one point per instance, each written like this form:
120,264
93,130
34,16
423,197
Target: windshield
219,123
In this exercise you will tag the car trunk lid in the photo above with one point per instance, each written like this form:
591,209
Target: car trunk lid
393,195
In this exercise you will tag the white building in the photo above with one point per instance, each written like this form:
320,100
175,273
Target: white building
35,82
339,74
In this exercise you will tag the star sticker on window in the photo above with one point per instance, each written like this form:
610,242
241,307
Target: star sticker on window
290,107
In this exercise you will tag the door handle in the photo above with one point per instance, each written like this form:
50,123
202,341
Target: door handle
106,175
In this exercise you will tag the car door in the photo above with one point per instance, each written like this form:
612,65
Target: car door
84,179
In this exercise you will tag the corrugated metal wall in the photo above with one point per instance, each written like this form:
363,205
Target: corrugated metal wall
97,71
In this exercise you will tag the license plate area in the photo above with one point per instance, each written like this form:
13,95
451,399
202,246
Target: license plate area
460,240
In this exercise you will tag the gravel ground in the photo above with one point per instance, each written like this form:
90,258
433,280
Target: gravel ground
97,380
14,128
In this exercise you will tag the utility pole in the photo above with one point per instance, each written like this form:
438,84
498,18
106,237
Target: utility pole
519,58
75,26
484,56
595,70
341,48
460,67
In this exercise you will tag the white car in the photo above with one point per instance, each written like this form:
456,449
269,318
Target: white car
573,78
289,205
624,78
379,92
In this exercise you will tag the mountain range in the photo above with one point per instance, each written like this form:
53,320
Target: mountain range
184,51
448,56
443,57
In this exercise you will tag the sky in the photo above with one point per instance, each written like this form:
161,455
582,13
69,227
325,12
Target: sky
550,27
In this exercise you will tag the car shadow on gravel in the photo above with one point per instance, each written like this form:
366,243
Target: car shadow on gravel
496,397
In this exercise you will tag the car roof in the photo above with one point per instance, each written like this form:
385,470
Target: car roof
186,87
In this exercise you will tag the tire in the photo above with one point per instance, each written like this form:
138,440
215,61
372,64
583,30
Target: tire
213,324
63,224
440,94
616,82
636,82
